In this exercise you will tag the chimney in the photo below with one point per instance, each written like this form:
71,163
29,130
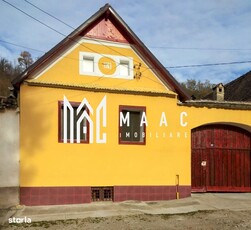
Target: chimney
218,92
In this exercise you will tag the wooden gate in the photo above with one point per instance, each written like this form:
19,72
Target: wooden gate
221,159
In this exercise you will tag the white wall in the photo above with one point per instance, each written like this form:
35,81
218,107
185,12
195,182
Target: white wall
9,148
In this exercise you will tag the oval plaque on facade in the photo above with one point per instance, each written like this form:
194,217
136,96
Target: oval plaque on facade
107,65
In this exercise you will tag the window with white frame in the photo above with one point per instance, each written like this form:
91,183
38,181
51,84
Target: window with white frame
124,68
88,64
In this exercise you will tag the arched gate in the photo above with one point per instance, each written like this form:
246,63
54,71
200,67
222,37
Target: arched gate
221,159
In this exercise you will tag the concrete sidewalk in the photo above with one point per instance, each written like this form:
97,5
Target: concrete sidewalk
204,201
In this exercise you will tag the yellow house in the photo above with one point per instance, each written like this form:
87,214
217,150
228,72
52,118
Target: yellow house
102,119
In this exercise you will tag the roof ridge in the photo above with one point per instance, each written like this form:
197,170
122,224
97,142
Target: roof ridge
238,78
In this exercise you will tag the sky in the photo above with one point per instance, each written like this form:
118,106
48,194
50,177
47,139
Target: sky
185,36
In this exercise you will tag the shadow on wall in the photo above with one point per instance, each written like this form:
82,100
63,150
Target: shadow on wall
35,125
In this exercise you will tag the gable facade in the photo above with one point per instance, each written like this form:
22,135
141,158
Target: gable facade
101,119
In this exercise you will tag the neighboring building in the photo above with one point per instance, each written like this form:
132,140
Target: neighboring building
102,119
236,90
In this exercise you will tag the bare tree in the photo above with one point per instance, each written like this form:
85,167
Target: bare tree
6,71
25,60
197,89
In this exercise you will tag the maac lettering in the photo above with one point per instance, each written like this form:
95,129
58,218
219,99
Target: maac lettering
75,124
124,119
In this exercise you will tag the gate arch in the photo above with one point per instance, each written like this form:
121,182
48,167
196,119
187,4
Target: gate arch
221,159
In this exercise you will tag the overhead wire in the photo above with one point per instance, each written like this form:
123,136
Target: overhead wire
210,64
182,48
153,47
21,46
55,30
167,67
92,38
46,25
63,22
56,18
199,48
66,24
75,59
33,18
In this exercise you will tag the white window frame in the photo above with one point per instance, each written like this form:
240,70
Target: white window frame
89,61
124,66
96,72
85,56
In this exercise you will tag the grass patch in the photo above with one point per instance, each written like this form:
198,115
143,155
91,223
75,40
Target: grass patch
94,219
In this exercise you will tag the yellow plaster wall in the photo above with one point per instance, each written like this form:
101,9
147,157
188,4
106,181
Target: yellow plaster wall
202,116
46,162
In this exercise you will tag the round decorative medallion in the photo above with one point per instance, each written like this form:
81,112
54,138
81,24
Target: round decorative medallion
107,65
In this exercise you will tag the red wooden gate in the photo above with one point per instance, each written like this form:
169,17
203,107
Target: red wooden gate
221,159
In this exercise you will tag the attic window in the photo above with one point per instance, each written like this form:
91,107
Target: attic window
105,65
88,64
124,68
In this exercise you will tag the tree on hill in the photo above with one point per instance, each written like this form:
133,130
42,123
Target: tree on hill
25,60
6,72
197,89
9,71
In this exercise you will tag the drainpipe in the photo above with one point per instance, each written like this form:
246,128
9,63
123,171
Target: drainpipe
177,187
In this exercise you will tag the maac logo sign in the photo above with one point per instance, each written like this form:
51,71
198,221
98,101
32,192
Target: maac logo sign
79,119
83,112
